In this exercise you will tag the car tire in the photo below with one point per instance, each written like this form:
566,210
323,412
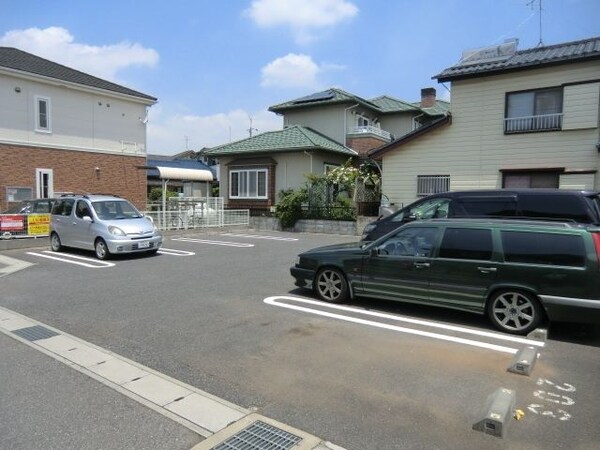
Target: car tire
152,252
55,243
101,249
514,311
331,285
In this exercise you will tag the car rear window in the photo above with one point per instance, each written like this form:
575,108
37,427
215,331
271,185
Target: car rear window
466,243
486,207
554,207
63,207
543,248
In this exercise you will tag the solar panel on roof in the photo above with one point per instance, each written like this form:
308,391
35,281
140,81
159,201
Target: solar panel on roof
317,97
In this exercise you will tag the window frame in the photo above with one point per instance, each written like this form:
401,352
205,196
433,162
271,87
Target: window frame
536,118
247,183
427,179
38,114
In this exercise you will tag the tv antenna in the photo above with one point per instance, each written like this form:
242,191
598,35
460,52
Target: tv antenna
250,130
532,4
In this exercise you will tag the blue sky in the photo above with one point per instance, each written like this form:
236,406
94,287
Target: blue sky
213,65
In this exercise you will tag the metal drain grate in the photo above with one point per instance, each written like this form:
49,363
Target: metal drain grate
260,436
35,333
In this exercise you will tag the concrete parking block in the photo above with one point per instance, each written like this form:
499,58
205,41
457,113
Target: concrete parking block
118,371
156,389
74,350
205,412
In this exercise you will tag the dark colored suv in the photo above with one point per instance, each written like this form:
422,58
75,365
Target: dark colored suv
553,204
519,273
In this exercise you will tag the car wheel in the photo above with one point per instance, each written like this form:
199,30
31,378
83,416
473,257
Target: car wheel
101,249
514,311
55,244
331,285
152,252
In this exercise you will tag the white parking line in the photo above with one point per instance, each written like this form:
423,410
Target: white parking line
258,236
174,252
276,301
97,264
205,241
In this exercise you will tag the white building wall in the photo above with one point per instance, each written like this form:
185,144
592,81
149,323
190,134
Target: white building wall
79,119
474,148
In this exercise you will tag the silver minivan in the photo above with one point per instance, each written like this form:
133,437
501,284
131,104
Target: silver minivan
106,224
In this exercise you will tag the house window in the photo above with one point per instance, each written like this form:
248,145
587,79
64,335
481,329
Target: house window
250,183
515,180
327,167
362,121
432,184
42,114
539,110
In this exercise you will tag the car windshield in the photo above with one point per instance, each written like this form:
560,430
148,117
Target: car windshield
115,210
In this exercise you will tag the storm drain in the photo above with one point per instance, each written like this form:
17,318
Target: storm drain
260,436
35,333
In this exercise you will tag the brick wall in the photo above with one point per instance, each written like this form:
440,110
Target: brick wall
363,144
73,171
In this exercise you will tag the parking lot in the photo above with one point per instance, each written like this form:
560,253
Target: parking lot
219,311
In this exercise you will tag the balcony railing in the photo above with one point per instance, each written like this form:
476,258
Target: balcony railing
371,130
546,122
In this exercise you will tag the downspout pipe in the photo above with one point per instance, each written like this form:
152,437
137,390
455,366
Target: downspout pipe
345,122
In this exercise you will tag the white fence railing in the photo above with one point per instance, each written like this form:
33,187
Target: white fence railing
533,123
371,130
191,212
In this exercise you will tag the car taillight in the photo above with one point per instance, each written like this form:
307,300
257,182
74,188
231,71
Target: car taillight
596,237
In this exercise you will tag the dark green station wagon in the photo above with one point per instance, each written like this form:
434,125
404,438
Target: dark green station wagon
518,273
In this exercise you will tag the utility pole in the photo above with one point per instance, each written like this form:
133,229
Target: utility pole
187,141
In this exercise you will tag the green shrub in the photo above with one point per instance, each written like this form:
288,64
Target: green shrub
289,208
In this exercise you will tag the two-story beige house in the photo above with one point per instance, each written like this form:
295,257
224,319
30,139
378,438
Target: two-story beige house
62,130
524,119
321,131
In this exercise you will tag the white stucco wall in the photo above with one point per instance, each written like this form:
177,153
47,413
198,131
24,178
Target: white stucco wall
80,119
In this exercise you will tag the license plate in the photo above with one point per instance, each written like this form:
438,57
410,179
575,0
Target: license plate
143,244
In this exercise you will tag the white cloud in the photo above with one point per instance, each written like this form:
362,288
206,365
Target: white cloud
304,17
292,70
58,45
168,135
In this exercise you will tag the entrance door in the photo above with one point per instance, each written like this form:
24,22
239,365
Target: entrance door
44,183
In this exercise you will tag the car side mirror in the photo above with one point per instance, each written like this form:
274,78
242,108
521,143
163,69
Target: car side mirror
87,219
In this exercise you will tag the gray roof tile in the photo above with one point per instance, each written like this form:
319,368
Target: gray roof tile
15,59
585,49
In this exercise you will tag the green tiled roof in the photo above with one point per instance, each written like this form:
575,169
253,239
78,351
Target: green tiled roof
388,104
440,108
294,138
328,97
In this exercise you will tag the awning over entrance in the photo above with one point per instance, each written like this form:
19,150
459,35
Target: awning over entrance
178,173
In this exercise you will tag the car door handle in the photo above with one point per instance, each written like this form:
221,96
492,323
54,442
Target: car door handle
487,269
422,265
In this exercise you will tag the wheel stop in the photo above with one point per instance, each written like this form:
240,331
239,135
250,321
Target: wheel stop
497,413
524,361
